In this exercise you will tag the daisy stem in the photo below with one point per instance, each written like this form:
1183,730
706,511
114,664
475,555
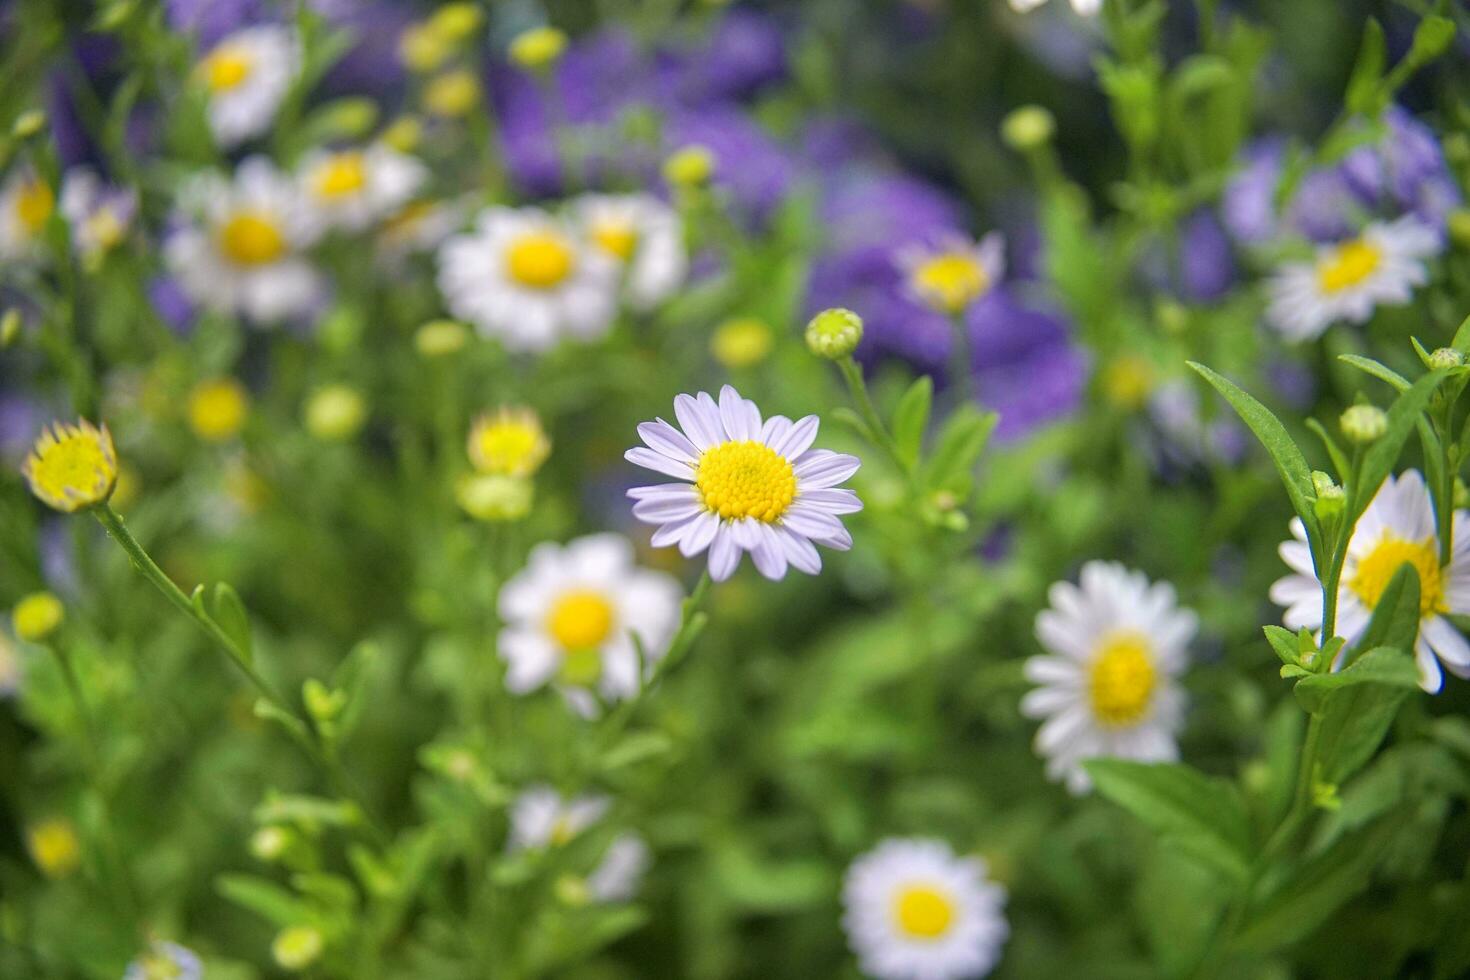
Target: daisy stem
305,734
961,364
858,388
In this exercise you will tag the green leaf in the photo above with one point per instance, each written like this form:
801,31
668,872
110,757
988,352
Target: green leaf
265,898
1431,38
1313,893
1284,642
853,421
1380,371
1203,815
229,613
1356,714
635,748
1362,88
1461,342
1383,665
911,416
1290,463
959,445
1403,416
1395,621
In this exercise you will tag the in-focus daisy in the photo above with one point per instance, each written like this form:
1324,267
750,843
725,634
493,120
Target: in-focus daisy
1350,279
644,235
509,442
953,272
99,215
1397,528
570,614
353,188
542,817
528,278
165,961
752,486
914,910
1106,686
246,77
1086,8
72,466
239,250
26,204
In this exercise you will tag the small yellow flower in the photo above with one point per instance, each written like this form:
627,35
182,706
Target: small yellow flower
404,134
741,342
690,166
453,94
72,466
37,616
423,49
218,408
538,48
297,947
440,338
456,21
335,413
509,443
491,497
54,847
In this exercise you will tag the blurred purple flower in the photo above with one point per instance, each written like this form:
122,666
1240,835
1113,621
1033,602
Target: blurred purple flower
740,55
172,304
21,419
211,20
1405,171
1206,267
750,165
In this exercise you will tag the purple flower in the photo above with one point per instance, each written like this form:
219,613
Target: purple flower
211,20
1206,268
742,53
749,164
172,304
1404,172
1025,364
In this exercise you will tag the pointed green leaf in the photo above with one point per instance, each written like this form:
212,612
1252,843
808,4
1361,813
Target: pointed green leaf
1283,641
959,445
1395,620
1362,88
1403,416
1380,371
1383,665
229,613
911,416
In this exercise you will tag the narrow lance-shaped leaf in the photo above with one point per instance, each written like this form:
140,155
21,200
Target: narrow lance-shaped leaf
1403,416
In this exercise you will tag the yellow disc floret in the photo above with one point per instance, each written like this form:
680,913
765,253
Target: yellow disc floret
580,619
617,238
226,68
252,238
1122,678
218,408
34,203
745,479
923,911
1348,264
511,443
950,281
1377,569
539,260
72,466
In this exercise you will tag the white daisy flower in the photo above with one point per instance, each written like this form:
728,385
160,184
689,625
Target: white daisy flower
26,204
1397,528
752,486
1106,686
99,215
953,272
528,278
246,76
1086,8
353,188
570,616
1349,280
165,961
542,817
644,235
239,249
913,910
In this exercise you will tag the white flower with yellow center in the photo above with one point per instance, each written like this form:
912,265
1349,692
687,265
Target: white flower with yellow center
752,485
644,235
352,188
1107,686
26,205
1397,529
528,278
245,77
541,817
570,616
239,250
99,215
952,273
1350,279
914,910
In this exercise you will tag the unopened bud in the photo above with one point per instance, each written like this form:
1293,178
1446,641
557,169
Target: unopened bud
1028,127
1446,358
538,49
1364,423
690,166
834,334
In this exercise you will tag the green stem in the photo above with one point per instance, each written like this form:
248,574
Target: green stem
882,438
303,732
961,367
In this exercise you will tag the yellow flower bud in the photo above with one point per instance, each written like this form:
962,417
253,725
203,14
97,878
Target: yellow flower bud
37,616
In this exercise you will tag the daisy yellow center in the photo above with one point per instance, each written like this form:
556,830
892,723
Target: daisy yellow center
1348,265
105,228
252,238
34,204
540,260
341,176
745,479
563,830
1377,569
617,238
581,619
923,912
73,467
953,280
160,968
227,68
1121,681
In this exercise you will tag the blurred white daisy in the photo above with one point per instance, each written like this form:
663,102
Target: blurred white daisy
165,961
246,77
239,248
752,486
353,188
1350,279
1107,686
1086,8
953,272
99,215
528,278
914,910
644,235
570,614
1397,528
26,204
542,817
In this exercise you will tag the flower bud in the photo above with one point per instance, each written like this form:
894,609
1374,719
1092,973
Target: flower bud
404,133
1364,423
9,327
1331,499
1028,128
55,847
269,843
456,21
37,616
28,124
741,342
1446,358
335,413
690,166
453,94
493,497
297,947
538,49
834,334
1459,227
440,338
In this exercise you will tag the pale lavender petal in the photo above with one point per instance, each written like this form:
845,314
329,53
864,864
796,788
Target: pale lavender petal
702,430
768,555
799,439
741,419
665,491
699,535
724,555
658,462
663,511
663,438
811,523
776,429
822,468
802,554
833,501
675,533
